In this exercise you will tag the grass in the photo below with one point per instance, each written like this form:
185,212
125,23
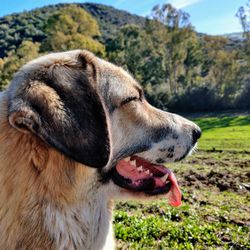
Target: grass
215,184
225,133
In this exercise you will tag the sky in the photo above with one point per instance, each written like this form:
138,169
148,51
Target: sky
207,16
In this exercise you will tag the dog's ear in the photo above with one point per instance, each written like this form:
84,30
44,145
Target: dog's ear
62,106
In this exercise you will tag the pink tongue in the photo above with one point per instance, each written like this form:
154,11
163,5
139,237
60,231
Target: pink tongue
125,169
174,195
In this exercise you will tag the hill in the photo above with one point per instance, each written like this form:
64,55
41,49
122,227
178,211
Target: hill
29,25
181,70
236,36
235,39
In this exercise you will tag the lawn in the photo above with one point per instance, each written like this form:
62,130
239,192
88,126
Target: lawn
215,183
225,133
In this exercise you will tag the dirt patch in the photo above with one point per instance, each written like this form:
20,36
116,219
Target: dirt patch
225,162
223,181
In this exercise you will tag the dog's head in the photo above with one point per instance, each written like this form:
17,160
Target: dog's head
96,114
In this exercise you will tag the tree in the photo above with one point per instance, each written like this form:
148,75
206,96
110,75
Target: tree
15,59
132,48
170,17
192,63
126,49
173,33
221,67
72,28
244,16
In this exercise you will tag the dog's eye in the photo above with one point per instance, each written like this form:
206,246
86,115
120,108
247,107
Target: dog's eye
129,99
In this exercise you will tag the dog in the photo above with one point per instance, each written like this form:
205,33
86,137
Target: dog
76,132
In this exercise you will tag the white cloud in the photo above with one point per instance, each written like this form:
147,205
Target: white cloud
183,3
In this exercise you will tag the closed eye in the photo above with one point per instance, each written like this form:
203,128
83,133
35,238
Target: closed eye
129,99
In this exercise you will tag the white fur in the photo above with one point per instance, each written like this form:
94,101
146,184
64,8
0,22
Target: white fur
92,230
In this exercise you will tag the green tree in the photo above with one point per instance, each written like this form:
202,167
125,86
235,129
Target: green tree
15,59
174,36
72,28
244,17
192,63
221,67
225,72
133,49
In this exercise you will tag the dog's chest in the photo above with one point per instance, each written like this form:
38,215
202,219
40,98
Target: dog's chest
86,226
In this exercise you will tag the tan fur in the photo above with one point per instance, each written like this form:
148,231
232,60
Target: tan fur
30,174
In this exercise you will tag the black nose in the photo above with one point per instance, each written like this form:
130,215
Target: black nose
196,135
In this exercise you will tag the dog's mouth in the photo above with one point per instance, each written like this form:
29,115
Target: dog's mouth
138,175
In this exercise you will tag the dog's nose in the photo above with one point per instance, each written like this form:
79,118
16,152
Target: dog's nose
196,134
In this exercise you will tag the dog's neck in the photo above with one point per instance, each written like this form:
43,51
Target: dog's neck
83,226
47,201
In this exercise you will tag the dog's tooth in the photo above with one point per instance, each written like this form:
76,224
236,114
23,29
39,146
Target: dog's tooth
127,159
164,178
133,163
140,168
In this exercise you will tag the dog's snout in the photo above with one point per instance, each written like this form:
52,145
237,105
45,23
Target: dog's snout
196,134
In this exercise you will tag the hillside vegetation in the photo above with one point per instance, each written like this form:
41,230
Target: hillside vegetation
30,25
180,69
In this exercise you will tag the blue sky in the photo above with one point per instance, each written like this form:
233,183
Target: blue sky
207,16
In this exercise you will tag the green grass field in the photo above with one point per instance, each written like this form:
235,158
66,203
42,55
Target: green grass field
215,183
225,133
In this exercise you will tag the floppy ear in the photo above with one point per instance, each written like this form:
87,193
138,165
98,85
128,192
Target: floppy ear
62,106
